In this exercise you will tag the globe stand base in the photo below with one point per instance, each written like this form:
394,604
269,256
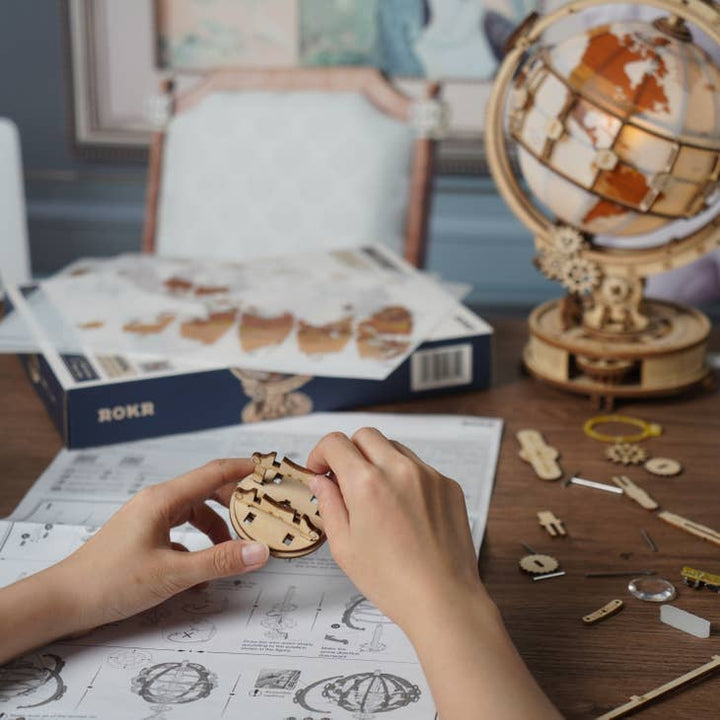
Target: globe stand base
666,358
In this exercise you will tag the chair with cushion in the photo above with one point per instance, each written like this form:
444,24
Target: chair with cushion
14,253
253,163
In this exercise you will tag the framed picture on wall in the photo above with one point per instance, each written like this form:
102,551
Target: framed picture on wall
121,51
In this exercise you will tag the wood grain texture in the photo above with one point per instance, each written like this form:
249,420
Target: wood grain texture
585,670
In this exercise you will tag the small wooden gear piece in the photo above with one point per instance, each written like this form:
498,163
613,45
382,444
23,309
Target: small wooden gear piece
537,564
666,467
626,454
274,505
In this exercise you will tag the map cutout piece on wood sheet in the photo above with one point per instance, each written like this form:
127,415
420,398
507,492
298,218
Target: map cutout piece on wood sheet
346,313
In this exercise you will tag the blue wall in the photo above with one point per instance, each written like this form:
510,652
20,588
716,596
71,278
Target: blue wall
80,207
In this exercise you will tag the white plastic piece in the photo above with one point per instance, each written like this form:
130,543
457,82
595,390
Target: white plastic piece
685,621
14,249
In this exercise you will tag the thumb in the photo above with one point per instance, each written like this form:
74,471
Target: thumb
232,557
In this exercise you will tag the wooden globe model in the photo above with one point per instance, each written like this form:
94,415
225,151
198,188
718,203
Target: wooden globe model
617,133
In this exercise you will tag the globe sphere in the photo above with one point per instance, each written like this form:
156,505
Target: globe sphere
618,127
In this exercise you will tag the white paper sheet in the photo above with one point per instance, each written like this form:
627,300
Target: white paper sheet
352,313
294,640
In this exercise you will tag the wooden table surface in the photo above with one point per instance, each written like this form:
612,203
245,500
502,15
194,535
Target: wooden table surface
585,670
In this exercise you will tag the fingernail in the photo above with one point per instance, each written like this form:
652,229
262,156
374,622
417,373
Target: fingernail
254,553
314,484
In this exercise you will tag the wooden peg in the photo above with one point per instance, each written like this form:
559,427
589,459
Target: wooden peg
542,457
634,492
553,525
604,612
691,527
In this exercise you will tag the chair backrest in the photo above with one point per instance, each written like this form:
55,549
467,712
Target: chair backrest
255,163
14,252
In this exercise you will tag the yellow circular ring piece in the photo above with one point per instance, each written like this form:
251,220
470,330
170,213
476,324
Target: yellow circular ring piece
647,429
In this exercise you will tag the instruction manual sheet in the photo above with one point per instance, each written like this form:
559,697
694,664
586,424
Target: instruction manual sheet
294,640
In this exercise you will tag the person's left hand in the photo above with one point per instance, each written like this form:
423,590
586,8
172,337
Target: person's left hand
130,564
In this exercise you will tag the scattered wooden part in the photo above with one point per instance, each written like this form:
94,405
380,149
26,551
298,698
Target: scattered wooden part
649,540
647,429
553,525
666,467
683,620
274,505
538,564
634,492
691,527
604,612
576,480
699,578
626,454
637,701
542,457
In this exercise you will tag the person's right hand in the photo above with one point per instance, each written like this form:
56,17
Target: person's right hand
397,527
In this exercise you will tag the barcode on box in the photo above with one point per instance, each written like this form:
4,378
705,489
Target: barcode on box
441,367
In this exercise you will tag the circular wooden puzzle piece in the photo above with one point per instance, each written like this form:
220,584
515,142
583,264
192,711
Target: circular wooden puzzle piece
275,506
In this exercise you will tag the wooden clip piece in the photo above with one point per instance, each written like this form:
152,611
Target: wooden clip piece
604,612
634,492
542,457
553,525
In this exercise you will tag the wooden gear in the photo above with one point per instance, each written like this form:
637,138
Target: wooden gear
611,346
274,505
542,457
537,564
666,467
626,454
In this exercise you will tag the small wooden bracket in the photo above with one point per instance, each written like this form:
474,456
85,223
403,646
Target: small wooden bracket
553,525
605,611
542,457
634,492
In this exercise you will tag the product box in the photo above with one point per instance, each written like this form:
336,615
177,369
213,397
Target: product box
104,399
